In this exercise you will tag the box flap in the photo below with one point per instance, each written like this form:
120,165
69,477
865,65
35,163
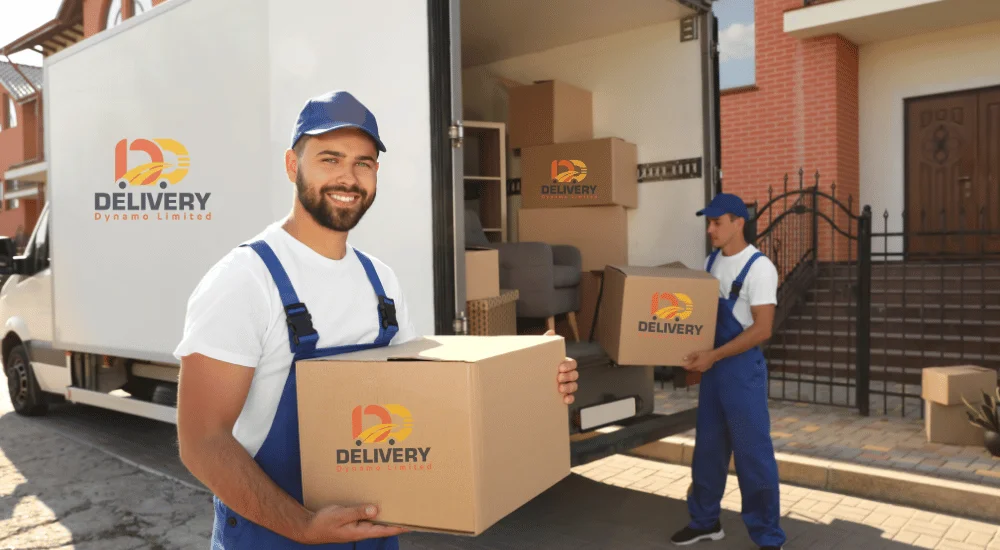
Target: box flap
474,247
459,349
680,272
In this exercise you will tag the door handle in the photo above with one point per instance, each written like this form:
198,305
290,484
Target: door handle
966,183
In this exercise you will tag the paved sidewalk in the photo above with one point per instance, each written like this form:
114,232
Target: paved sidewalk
842,434
814,520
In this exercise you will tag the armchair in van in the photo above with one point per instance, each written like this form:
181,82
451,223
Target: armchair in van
546,276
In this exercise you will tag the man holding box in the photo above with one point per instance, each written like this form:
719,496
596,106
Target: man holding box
733,417
247,324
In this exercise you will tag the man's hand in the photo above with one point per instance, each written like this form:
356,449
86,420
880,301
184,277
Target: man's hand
568,375
699,361
337,524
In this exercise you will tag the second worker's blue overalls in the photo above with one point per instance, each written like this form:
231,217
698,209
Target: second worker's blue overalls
278,456
733,420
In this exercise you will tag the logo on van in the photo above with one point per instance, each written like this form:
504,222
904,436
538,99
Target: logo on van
167,170
566,177
386,430
668,306
156,164
376,447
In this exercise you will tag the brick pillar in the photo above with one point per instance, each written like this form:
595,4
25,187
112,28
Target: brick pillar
802,112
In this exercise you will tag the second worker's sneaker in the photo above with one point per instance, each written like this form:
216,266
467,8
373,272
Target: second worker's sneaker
688,535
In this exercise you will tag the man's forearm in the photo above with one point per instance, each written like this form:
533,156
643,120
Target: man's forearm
223,465
746,340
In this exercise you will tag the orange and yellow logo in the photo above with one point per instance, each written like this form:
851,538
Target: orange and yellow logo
668,306
168,163
568,171
387,429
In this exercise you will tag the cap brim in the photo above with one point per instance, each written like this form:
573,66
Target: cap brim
325,129
710,212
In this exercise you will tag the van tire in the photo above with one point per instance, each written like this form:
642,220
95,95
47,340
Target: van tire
25,394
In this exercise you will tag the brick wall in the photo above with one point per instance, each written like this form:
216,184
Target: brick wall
95,14
801,112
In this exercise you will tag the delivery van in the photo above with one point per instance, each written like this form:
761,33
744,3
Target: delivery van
165,136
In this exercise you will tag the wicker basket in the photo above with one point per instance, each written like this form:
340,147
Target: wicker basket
494,316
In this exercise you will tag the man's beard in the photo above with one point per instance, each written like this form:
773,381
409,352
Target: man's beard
323,211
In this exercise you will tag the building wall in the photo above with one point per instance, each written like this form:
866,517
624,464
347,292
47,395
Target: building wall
801,113
892,71
95,14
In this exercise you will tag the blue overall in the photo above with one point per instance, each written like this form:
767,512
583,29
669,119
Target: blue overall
278,457
733,420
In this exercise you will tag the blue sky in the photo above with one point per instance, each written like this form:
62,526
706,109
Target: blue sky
736,42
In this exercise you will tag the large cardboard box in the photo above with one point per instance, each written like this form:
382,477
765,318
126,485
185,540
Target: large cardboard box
445,433
948,424
482,274
654,316
584,173
599,232
548,111
947,385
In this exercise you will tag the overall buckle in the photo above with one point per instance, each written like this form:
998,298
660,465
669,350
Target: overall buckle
387,312
300,322
734,292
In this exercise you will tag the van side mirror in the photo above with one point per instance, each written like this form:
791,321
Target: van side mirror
8,249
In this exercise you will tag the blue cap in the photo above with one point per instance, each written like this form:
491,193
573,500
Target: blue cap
332,111
725,203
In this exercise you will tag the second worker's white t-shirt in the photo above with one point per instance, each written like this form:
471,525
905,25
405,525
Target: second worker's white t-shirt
235,315
759,288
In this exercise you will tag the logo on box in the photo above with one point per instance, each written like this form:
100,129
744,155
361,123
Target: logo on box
386,430
376,444
667,310
566,175
678,306
151,164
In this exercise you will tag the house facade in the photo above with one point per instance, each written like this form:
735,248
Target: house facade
896,102
23,166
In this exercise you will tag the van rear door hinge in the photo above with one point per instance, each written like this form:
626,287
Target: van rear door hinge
456,133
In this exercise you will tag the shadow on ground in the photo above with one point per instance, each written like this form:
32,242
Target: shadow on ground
582,514
56,493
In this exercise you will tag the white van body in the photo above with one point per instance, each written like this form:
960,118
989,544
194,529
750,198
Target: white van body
97,302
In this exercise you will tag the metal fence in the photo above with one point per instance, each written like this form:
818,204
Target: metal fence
862,309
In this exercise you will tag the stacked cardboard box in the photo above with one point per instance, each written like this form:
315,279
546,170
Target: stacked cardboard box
574,189
942,390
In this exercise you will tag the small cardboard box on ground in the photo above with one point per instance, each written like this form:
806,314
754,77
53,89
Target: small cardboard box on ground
942,389
599,232
549,111
654,316
597,172
445,433
482,273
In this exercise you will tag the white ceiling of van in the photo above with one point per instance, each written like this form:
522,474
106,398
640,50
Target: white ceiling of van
499,29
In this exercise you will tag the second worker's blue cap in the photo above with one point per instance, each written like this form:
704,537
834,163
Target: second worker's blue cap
725,203
332,111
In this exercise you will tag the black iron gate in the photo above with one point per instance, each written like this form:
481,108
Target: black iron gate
822,251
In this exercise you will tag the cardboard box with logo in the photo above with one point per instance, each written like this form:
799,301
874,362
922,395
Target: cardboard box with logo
445,433
942,389
585,173
482,273
599,232
549,111
654,316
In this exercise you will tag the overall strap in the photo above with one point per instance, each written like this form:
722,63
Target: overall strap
387,324
711,259
302,337
738,283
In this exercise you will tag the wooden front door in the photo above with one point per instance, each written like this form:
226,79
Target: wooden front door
952,164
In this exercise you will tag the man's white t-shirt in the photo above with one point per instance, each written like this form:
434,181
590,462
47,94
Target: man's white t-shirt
235,315
759,288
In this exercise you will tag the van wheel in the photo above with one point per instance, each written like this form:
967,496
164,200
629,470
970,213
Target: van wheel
25,395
